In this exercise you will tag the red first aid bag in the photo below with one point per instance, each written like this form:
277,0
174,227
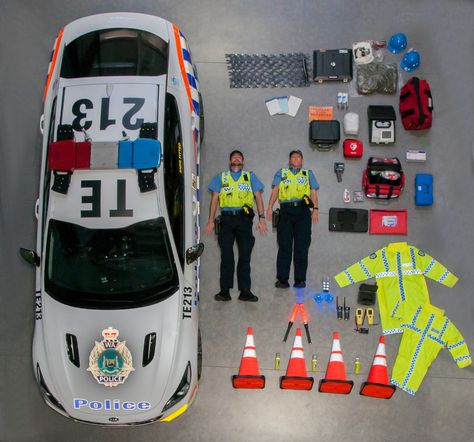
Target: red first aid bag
352,148
416,104
383,178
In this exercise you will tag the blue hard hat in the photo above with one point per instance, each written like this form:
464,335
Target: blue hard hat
410,61
398,42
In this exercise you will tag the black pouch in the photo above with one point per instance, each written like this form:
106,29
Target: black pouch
348,220
367,293
248,211
217,225
275,218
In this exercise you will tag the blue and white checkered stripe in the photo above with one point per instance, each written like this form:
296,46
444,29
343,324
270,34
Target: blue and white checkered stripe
408,390
392,331
417,351
385,274
415,316
445,326
412,272
365,270
400,277
395,309
458,344
413,257
411,327
385,260
443,276
191,74
430,266
436,339
462,358
349,277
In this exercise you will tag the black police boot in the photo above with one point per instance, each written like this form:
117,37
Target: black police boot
247,295
299,284
223,295
282,284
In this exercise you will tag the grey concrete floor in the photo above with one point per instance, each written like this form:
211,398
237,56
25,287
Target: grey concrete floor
442,32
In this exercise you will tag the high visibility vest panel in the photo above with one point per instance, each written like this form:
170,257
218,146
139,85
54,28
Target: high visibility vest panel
400,271
293,186
425,333
236,193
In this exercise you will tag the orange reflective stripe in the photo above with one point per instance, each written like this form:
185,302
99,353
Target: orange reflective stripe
179,50
53,62
304,315
294,313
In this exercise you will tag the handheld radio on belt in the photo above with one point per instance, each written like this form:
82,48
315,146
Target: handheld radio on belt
307,201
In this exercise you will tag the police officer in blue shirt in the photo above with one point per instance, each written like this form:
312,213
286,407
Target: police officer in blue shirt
296,189
235,190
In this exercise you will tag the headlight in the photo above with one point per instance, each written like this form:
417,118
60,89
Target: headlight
48,397
182,389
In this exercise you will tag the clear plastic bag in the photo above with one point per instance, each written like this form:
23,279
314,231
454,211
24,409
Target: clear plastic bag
377,77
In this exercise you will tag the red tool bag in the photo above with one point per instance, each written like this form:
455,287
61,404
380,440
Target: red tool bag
383,178
416,104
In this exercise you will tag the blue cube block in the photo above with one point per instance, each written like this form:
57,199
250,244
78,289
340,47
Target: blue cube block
125,154
424,189
146,153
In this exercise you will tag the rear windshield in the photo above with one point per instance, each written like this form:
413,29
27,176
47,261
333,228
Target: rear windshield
115,52
110,268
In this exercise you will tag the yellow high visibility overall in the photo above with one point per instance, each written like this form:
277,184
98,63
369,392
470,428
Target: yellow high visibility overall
425,333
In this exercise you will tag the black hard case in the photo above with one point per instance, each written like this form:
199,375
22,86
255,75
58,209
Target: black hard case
332,65
324,133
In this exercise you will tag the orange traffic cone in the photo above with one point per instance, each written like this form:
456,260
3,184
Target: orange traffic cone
377,384
335,380
296,377
249,375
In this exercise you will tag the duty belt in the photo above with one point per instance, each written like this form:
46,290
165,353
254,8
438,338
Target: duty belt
232,212
292,204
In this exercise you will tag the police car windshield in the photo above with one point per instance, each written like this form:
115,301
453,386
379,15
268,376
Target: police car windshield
110,268
115,52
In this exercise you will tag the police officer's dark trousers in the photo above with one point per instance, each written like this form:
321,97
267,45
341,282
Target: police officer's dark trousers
236,228
294,238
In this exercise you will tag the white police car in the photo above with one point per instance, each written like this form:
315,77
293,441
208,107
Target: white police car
116,337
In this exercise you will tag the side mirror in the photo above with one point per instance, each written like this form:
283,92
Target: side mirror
30,256
194,252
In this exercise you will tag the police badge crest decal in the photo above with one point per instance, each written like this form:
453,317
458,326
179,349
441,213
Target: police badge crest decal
110,361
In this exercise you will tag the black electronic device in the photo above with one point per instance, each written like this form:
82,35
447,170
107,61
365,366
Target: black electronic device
339,170
332,65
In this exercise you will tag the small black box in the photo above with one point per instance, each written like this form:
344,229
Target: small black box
332,65
367,293
324,133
